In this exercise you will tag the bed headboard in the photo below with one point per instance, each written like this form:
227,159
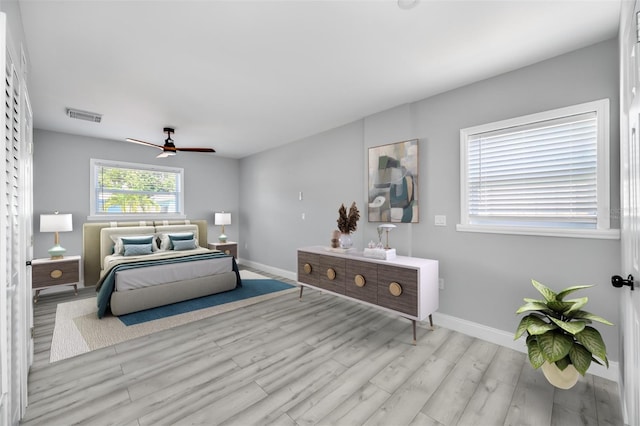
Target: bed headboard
91,252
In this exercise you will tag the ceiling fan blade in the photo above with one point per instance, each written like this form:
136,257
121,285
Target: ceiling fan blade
195,149
169,149
144,143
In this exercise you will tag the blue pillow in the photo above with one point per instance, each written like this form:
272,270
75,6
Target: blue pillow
184,244
137,249
138,240
179,237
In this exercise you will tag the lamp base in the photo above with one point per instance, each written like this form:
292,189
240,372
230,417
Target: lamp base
57,252
222,238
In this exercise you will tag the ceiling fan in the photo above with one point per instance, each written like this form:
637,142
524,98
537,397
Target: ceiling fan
169,149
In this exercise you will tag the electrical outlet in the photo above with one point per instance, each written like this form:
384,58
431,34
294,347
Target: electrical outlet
441,283
303,216
440,220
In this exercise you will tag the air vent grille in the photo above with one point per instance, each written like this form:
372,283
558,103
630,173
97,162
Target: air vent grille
84,115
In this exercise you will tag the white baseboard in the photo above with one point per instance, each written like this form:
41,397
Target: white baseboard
503,338
270,269
490,334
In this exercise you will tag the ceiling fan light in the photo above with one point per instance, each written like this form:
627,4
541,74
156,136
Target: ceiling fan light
165,154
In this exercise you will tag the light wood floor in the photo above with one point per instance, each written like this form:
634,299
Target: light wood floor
322,360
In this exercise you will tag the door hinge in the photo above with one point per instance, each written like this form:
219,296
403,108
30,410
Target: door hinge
33,332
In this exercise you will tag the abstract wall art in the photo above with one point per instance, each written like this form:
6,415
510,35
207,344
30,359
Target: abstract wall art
393,182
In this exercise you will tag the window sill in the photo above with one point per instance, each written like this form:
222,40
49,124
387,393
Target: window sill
604,234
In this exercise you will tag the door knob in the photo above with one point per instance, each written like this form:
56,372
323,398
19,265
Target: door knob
618,281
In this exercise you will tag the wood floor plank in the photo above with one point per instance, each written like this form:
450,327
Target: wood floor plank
580,399
402,368
564,416
451,397
607,402
321,404
358,407
532,402
218,411
422,419
489,403
403,406
287,395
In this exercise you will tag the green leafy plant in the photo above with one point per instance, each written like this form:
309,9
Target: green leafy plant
558,330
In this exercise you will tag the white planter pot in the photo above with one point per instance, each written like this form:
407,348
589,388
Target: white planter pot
563,379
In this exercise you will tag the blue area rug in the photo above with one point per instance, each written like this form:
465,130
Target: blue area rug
250,288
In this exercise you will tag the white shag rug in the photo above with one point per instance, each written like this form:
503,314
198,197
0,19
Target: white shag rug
78,330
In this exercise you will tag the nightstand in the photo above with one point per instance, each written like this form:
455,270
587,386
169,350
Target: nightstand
46,273
230,247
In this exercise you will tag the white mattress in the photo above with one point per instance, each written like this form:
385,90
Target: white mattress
135,278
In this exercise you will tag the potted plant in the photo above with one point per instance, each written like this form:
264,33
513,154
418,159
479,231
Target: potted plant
559,336
347,223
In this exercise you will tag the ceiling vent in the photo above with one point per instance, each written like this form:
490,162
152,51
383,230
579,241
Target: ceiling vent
84,115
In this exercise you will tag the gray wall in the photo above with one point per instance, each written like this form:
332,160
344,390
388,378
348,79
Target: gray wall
61,182
486,275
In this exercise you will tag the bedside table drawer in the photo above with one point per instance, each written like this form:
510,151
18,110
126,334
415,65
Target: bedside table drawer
227,248
55,273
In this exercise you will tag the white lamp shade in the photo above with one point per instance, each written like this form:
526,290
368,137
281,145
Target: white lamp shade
223,218
56,222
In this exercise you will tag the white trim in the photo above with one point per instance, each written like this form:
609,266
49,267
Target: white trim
293,276
605,234
504,338
603,179
93,216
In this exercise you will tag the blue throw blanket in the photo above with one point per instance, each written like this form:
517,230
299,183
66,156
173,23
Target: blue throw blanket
106,285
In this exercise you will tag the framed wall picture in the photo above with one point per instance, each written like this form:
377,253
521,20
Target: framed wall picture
393,182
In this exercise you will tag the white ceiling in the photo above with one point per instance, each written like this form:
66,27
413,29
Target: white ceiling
245,76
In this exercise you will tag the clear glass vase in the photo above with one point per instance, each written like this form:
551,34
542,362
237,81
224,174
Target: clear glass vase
345,241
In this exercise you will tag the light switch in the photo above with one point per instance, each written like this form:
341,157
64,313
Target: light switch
441,220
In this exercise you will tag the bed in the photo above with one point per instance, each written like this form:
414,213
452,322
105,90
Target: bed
142,265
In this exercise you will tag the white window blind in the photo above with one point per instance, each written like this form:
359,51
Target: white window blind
544,171
136,190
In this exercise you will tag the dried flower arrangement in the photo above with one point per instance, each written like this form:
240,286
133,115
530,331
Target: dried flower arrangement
348,223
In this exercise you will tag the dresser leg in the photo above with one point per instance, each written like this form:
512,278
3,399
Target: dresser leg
301,288
35,299
414,332
431,321
75,289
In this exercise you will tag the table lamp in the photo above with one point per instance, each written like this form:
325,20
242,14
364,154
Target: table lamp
56,223
222,219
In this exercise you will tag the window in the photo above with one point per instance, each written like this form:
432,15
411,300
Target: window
541,174
135,191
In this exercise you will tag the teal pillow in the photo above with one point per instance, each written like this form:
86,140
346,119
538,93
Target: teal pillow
179,237
138,240
137,249
179,245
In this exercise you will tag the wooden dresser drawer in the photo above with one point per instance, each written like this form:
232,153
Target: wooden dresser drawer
362,281
308,268
398,289
332,274
55,273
